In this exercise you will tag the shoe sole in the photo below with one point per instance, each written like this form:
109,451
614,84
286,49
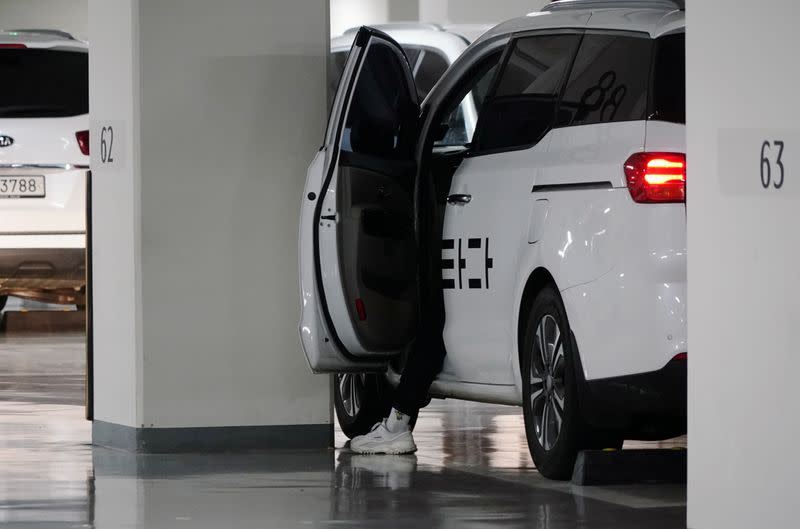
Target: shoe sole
387,451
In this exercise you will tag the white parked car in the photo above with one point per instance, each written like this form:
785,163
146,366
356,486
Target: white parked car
556,237
44,155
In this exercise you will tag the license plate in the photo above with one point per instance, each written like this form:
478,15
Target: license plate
21,186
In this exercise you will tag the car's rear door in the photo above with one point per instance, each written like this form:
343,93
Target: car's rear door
357,236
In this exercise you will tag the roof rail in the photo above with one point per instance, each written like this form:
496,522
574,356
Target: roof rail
564,5
398,26
52,32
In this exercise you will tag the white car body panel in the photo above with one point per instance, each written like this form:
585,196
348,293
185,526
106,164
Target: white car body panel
47,147
480,325
320,351
633,318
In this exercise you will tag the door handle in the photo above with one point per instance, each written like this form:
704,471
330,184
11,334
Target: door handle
459,199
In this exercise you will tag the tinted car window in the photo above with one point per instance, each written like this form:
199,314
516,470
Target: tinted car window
43,83
477,84
381,118
608,81
668,91
522,109
429,70
426,75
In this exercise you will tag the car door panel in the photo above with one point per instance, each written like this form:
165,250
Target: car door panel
357,230
484,240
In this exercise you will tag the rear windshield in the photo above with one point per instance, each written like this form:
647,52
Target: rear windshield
43,83
668,93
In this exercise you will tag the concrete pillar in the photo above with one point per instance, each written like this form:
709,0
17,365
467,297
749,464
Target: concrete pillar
743,202
204,117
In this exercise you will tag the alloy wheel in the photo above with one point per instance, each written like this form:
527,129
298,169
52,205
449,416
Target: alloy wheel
351,390
547,377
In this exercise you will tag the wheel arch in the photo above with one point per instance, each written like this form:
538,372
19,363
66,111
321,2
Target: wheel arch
537,280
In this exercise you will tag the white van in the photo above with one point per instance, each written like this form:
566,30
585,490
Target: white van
556,235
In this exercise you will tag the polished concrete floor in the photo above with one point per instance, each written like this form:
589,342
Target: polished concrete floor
472,471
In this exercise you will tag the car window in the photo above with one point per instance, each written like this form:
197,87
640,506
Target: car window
430,69
380,120
427,69
668,91
43,83
608,81
522,109
469,97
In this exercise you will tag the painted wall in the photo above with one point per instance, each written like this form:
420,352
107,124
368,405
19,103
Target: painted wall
346,14
66,15
743,260
351,13
476,12
217,109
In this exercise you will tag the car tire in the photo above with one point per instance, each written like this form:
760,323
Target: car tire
361,401
3,301
553,424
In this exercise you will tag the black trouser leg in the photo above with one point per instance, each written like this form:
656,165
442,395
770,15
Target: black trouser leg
424,363
427,352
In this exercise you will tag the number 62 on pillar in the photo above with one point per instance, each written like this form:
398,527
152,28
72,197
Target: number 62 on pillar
108,145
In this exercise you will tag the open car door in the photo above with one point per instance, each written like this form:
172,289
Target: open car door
357,240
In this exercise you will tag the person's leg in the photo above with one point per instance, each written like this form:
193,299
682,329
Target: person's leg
423,365
393,435
427,352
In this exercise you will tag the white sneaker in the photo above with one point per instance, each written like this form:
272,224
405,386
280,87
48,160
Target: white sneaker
380,440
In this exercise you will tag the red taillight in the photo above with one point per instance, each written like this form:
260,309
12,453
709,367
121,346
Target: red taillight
681,356
655,177
361,309
14,46
83,141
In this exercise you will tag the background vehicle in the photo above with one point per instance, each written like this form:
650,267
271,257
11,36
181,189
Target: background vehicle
560,228
44,155
430,49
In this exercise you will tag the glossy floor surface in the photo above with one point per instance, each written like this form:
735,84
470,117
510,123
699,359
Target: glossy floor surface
472,470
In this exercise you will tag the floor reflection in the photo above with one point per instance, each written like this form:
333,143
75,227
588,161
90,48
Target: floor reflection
472,470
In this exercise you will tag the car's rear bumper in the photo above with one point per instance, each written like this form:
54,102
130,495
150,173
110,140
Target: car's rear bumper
57,267
644,406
